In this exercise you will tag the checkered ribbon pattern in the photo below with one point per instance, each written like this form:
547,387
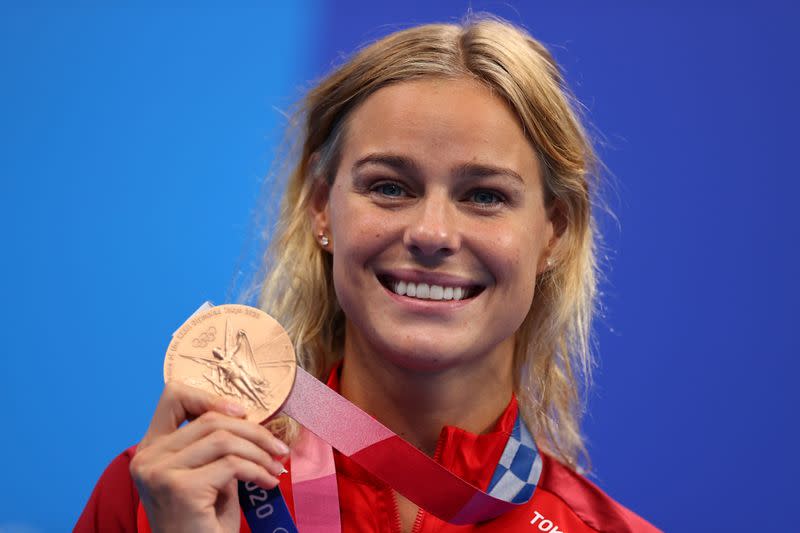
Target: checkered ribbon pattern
520,466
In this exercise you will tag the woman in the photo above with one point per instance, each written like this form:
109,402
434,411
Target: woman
435,262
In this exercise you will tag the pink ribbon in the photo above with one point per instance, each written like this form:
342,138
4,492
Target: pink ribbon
377,449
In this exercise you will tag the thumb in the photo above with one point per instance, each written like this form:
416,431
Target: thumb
181,402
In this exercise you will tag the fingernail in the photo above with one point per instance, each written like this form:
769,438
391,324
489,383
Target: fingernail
283,449
283,471
275,468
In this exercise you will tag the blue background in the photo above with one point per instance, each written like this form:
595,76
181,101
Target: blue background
132,146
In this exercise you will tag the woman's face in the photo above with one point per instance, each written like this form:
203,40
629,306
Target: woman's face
437,224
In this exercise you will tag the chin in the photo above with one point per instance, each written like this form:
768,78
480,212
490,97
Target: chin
425,357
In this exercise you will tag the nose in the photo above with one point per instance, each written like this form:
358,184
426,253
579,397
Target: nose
432,230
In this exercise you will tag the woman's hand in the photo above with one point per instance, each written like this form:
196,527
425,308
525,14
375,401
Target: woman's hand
187,476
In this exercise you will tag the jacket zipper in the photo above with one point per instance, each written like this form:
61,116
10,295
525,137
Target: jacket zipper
420,518
398,527
417,527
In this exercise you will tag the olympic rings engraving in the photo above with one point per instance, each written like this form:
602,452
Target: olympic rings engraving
204,338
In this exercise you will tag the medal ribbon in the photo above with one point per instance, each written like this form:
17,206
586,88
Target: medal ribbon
265,510
388,457
399,464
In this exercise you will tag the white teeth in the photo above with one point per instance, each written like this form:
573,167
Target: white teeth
428,292
423,291
437,292
411,289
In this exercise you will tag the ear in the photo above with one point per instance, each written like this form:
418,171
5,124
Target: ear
557,221
319,209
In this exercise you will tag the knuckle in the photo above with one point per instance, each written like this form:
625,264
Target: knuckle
140,465
233,462
212,418
152,476
153,479
137,469
221,440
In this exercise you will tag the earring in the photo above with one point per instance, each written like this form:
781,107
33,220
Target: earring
323,239
550,262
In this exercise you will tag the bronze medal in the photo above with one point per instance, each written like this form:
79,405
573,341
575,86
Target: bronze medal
235,351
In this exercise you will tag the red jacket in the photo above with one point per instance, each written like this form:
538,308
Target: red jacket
563,502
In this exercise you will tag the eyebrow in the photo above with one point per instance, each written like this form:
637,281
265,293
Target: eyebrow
480,170
396,162
407,165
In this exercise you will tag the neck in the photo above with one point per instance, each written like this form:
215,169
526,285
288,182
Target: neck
416,404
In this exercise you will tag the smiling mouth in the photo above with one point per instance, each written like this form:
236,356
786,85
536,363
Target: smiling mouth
425,291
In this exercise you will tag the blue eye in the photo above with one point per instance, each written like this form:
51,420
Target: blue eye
484,197
389,189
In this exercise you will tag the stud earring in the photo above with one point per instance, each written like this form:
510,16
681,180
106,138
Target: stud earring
323,239
550,262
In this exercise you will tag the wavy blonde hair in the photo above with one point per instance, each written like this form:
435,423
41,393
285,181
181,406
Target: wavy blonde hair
553,359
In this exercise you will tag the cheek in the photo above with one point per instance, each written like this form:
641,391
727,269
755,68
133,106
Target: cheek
513,258
353,223
514,265
357,238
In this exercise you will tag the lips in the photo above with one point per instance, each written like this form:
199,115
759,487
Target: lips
429,291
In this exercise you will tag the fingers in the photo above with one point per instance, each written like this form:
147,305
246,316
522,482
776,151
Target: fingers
188,472
212,436
219,473
181,402
212,422
221,443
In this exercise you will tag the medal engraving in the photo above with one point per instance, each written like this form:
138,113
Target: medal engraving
234,351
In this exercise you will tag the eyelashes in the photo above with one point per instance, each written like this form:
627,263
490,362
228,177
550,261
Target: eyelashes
389,189
486,197
479,197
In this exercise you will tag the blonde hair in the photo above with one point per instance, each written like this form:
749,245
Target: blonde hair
553,359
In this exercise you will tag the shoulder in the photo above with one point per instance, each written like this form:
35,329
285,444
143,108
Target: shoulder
563,490
114,500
